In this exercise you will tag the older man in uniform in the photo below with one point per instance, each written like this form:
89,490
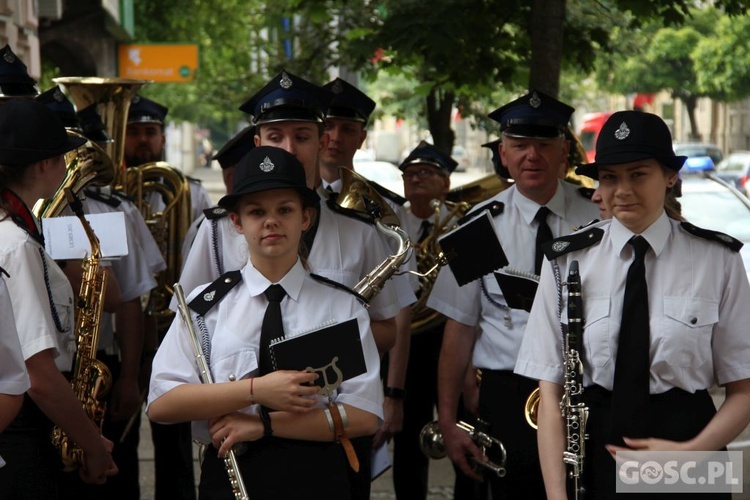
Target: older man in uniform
481,327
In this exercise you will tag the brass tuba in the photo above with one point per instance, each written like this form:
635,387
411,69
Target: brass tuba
359,197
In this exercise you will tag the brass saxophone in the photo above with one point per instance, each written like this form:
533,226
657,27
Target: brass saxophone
230,461
91,379
574,410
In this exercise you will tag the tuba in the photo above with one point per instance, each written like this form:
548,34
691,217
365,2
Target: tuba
359,197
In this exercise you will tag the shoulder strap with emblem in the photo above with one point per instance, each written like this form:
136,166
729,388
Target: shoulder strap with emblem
387,193
495,207
339,286
728,241
104,198
586,192
578,241
214,213
213,293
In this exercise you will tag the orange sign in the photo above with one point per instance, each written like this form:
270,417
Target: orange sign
160,63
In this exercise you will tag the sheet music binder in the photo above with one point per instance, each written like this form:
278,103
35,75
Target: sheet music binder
318,349
473,249
519,288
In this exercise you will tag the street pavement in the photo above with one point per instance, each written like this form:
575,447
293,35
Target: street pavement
441,473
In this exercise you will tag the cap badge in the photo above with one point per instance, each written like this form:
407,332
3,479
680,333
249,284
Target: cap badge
285,82
267,165
337,87
623,132
559,246
535,101
9,57
136,100
208,297
58,95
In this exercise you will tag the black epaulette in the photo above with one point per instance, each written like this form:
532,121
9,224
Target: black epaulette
340,286
734,244
3,271
495,207
193,179
387,193
213,293
586,192
123,195
214,213
104,198
565,244
584,226
348,212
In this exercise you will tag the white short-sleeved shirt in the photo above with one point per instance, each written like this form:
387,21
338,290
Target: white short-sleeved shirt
235,323
345,250
481,303
413,227
29,297
199,199
14,379
132,270
698,310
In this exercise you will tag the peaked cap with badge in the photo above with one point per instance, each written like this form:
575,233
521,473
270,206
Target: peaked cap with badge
15,81
347,102
428,154
56,101
287,98
629,136
143,110
265,168
236,147
30,132
534,115
497,164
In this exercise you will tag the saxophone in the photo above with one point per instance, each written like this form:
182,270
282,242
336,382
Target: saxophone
574,411
91,379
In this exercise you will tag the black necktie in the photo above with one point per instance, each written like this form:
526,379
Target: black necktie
630,391
543,235
272,327
424,230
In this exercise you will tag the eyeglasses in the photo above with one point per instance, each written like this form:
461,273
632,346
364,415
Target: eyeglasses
421,174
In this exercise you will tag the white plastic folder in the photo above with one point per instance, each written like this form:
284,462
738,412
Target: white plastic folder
64,237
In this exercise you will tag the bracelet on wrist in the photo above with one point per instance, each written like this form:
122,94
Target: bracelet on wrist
394,393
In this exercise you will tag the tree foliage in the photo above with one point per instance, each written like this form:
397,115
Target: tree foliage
723,60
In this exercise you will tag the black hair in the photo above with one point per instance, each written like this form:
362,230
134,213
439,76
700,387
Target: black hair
11,175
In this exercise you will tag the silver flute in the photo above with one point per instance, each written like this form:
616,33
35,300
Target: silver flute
574,410
230,460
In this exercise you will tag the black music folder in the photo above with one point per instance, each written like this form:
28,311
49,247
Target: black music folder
519,288
328,351
473,249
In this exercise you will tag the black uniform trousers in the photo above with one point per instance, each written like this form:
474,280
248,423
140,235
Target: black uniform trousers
32,463
502,397
410,465
280,469
675,415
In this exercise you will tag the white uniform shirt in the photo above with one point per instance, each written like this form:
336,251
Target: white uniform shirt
345,250
500,329
14,379
698,310
132,270
413,227
199,199
31,306
235,323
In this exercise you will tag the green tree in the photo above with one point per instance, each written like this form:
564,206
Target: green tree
722,61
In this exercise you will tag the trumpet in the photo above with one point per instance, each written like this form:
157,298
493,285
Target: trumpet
432,445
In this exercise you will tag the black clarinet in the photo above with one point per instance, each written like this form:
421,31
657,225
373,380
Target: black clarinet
573,408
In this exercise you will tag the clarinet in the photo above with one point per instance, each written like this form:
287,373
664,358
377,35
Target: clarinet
574,410
230,461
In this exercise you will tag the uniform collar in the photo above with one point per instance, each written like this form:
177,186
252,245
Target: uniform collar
22,216
292,281
529,208
656,234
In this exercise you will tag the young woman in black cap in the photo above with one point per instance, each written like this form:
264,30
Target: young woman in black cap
270,206
32,166
666,321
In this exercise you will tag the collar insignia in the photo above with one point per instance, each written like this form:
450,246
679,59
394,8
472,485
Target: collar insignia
9,57
623,132
285,82
559,246
267,165
535,101
337,87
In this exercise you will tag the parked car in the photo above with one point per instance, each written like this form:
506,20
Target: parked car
711,203
692,149
384,173
735,169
